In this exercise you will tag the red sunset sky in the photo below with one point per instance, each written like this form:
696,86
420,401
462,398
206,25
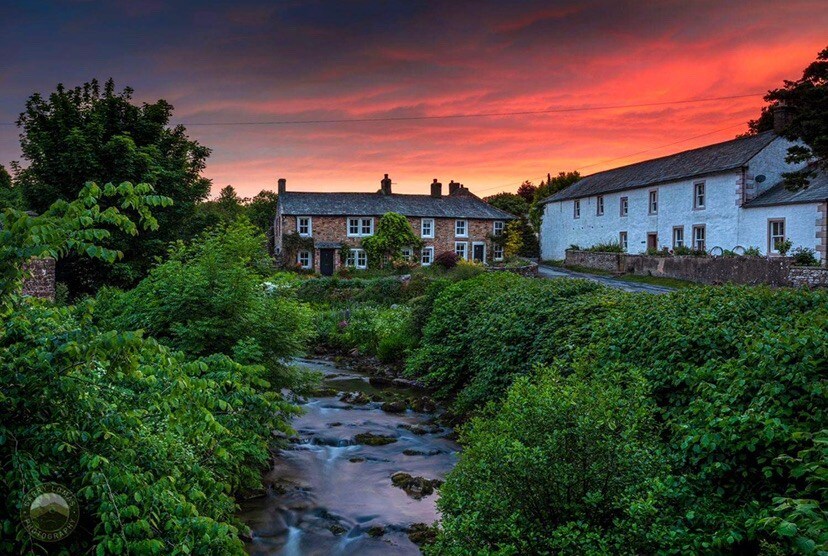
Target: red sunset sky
310,60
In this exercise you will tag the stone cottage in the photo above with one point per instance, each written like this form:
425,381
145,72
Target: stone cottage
320,224
726,196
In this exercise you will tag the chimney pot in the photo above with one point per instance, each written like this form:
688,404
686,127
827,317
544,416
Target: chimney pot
282,185
781,118
385,185
454,187
436,189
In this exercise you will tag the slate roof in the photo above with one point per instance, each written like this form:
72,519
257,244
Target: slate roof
377,204
711,159
816,192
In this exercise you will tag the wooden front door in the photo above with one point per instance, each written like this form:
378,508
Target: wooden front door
652,240
326,262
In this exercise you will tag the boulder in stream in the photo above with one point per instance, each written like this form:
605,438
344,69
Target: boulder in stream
422,533
423,405
375,531
394,407
356,398
415,487
371,439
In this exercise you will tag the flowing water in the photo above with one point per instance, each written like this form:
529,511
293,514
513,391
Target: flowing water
328,491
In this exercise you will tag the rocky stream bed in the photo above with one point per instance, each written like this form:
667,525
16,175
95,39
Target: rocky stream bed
361,475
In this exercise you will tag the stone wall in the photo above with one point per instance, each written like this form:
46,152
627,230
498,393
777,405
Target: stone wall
41,280
773,271
528,271
809,276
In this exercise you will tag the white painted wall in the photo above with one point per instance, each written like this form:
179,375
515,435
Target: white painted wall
727,225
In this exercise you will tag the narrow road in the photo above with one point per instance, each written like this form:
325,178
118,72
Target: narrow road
609,281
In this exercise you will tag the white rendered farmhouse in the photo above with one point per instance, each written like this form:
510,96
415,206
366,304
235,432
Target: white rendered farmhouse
728,196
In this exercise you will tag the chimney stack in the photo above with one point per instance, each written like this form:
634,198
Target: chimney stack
781,118
436,189
454,187
385,185
282,185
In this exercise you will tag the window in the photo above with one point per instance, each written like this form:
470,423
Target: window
625,206
654,202
427,227
359,227
698,195
678,236
357,258
498,228
407,253
497,252
461,248
304,259
599,205
622,240
461,228
427,256
698,237
303,225
576,208
776,235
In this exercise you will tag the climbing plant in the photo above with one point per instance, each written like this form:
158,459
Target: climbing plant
292,243
392,235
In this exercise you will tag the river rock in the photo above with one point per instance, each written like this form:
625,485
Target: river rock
356,460
393,407
371,439
415,487
325,392
410,452
337,529
380,381
421,533
423,405
375,531
355,398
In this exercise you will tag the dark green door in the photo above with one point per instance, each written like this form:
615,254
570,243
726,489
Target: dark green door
326,262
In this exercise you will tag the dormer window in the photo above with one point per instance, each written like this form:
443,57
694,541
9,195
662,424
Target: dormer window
303,226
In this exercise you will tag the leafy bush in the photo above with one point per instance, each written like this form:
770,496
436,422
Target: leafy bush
384,332
753,252
338,291
154,444
610,247
783,246
684,250
573,455
209,298
392,235
804,256
447,260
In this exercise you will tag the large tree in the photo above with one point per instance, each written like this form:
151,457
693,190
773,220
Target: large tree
9,194
90,133
549,187
806,101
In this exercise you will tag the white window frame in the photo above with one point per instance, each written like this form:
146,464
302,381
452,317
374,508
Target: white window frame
678,241
623,240
299,220
430,222
772,250
360,222
699,191
696,229
465,244
407,253
427,256
652,201
576,208
299,257
498,227
624,206
599,205
465,226
357,258
497,252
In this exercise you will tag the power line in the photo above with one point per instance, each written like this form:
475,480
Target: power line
632,154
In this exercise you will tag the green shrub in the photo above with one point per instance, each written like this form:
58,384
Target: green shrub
154,444
804,256
447,260
558,468
610,247
753,252
209,298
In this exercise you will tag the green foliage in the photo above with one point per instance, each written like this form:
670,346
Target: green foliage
446,260
154,444
374,330
509,202
573,456
804,256
608,247
79,226
209,297
684,250
88,134
546,189
392,234
783,246
514,239
806,100
10,196
337,291
753,252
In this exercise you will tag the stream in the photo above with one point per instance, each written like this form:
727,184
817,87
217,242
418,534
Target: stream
330,492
